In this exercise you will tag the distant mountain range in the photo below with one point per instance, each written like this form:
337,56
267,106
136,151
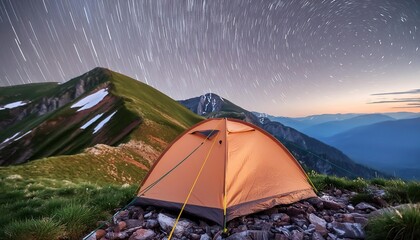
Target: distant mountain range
312,153
331,128
387,141
391,146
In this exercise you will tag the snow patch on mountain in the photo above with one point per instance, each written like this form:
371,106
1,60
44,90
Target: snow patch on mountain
15,137
91,100
23,135
11,138
13,105
90,122
103,122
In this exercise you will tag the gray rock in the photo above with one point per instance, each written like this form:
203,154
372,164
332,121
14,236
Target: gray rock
132,223
365,206
316,202
205,237
276,216
348,230
166,223
280,237
194,236
296,235
301,222
317,236
116,235
151,223
310,230
293,211
331,236
361,220
142,234
319,223
332,205
250,234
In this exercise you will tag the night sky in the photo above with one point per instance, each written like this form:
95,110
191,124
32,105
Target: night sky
289,57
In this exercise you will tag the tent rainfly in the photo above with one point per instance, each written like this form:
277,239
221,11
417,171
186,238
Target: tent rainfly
224,168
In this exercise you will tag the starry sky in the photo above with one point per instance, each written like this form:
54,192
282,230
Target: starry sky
282,57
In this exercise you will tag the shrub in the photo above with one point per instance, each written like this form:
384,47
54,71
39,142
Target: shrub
362,197
398,224
403,193
323,182
39,229
379,182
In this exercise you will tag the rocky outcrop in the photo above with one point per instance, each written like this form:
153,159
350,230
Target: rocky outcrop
94,79
330,217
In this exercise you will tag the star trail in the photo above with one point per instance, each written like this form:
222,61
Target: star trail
291,57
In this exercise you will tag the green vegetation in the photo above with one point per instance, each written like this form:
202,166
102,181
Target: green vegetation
99,169
49,206
166,118
322,182
401,224
44,208
397,190
27,92
39,229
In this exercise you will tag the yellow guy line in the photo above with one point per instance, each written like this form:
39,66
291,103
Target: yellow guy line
192,188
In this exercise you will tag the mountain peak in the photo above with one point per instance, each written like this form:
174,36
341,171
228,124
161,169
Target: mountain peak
97,107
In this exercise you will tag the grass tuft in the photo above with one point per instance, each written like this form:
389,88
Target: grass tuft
77,219
401,224
39,229
403,192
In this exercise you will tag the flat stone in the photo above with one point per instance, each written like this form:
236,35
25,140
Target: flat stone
166,223
348,230
100,233
205,237
292,211
365,206
319,223
121,226
142,234
250,235
132,223
151,223
332,205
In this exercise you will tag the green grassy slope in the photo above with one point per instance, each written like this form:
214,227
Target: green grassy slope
165,118
141,113
32,193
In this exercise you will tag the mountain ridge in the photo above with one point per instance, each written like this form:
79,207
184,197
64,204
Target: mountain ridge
98,107
295,141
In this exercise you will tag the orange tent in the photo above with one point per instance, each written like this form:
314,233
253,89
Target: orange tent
226,168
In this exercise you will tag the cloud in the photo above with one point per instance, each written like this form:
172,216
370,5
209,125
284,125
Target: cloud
403,102
414,91
398,100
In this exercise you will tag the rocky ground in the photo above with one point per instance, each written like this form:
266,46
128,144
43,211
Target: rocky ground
330,217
